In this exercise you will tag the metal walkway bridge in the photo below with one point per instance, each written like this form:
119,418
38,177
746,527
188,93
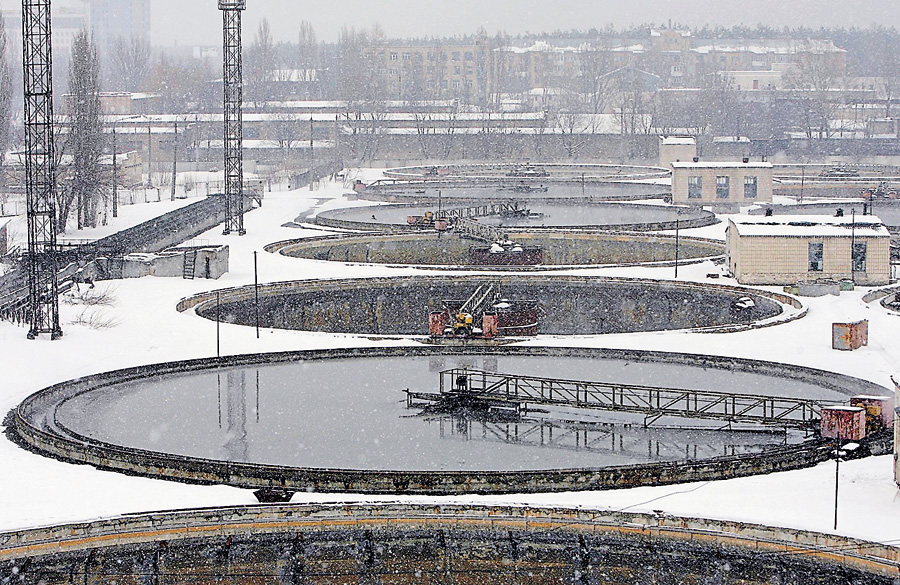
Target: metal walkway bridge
512,208
480,389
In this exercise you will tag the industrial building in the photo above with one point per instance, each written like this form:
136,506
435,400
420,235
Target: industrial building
787,249
727,184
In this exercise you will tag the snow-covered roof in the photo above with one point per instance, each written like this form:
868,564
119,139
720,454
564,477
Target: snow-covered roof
678,141
772,46
722,165
681,33
810,226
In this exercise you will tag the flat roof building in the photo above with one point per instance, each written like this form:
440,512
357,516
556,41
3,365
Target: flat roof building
788,249
724,184
676,149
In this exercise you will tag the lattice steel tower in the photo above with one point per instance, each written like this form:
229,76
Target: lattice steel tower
40,177
234,95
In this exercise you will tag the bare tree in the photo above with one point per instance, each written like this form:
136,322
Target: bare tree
308,47
261,65
814,84
85,142
6,91
362,86
131,63
571,121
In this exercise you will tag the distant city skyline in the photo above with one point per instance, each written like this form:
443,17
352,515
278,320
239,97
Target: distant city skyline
198,22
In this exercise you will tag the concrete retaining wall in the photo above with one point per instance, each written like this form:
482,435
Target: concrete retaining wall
33,423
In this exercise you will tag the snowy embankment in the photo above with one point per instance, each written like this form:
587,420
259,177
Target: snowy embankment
140,325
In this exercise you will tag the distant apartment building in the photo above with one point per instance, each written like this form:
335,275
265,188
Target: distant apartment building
67,21
779,250
435,71
723,184
678,59
113,19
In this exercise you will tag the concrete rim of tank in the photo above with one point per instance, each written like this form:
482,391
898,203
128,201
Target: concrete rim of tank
829,550
637,172
706,218
285,247
32,421
205,301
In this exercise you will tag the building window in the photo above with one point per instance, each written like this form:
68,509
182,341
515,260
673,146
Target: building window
816,256
470,56
695,187
750,184
456,55
394,56
723,189
859,257
406,56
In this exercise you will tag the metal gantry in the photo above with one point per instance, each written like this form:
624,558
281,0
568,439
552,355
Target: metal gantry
475,387
233,90
40,176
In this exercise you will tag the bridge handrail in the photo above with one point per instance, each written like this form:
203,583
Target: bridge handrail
649,400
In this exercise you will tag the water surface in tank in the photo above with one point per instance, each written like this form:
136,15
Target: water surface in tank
352,414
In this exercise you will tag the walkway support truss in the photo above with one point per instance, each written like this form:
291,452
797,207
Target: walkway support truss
233,114
517,392
40,175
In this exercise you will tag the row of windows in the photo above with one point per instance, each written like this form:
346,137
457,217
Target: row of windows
817,257
430,71
723,187
455,56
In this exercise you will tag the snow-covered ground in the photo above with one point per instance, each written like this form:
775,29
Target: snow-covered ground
141,326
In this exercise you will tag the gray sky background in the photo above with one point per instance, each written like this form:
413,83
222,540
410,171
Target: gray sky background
198,22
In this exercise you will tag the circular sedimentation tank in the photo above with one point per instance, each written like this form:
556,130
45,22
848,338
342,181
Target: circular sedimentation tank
465,191
557,249
434,544
887,210
544,214
339,421
550,171
568,305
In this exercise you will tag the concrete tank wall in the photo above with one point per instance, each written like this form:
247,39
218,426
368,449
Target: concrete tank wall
569,249
444,543
570,306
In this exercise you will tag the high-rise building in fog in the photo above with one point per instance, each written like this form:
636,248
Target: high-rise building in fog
111,19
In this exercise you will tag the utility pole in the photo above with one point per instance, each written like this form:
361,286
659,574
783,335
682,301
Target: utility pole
115,185
174,160
853,246
40,171
233,80
677,234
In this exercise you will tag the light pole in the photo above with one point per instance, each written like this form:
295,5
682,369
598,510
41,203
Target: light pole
838,453
174,160
115,166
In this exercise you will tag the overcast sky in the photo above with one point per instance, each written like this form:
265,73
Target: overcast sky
193,22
